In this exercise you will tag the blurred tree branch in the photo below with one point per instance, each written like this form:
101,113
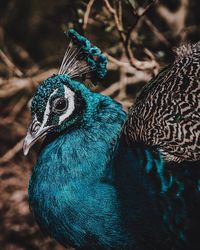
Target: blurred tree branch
137,37
12,86
126,35
176,19
87,13
125,63
11,67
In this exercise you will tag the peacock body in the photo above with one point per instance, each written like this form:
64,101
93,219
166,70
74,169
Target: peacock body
93,187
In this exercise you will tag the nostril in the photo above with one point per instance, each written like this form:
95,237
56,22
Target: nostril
35,127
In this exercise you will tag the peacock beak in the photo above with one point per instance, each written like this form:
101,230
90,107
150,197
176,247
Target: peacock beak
35,131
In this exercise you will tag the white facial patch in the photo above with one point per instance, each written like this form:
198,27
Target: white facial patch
69,95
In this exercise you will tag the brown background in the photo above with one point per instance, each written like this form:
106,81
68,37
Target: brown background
141,35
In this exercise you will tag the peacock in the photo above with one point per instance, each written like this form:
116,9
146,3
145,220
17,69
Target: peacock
108,180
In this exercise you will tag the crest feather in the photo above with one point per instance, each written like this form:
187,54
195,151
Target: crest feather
83,60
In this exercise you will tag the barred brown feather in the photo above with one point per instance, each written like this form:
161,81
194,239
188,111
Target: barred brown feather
167,111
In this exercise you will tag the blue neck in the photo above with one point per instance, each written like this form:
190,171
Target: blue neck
67,191
86,183
90,148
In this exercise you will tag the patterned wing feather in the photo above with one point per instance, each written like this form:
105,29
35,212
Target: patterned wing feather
167,112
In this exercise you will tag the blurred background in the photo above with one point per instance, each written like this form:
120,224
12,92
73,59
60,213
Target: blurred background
139,38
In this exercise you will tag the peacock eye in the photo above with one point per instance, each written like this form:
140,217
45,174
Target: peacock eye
60,105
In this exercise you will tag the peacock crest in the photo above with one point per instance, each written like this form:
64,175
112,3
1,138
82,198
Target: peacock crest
82,60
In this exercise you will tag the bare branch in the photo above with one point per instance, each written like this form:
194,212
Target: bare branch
126,38
117,21
142,10
10,65
14,85
157,33
18,107
87,13
12,152
140,77
175,20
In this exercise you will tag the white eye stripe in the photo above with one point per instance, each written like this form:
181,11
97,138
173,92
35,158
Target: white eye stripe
69,95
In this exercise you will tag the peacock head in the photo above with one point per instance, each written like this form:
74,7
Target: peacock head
61,100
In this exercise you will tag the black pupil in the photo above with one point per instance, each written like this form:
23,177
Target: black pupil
60,104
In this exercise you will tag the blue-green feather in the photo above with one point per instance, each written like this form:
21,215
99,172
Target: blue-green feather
87,189
91,189
93,57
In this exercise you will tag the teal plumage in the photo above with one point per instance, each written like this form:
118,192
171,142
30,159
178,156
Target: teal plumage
68,189
90,188
94,59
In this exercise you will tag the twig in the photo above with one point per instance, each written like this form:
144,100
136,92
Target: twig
23,55
10,65
142,10
14,85
116,18
87,13
18,107
125,104
175,20
122,83
140,77
120,13
126,38
115,61
157,33
12,152
138,14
